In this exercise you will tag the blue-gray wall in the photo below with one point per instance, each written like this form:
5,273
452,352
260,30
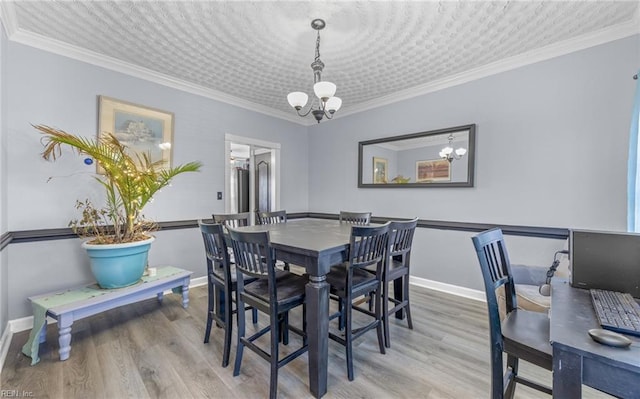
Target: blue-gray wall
46,88
552,141
551,151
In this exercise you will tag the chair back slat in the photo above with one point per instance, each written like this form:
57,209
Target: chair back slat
213,238
232,220
401,237
360,218
368,245
252,252
495,266
271,217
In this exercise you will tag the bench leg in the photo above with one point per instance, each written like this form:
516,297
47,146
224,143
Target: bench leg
64,340
43,333
160,296
185,294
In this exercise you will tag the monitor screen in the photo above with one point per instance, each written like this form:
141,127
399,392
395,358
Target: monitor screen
605,260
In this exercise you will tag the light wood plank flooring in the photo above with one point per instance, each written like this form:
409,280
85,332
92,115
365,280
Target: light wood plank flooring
147,350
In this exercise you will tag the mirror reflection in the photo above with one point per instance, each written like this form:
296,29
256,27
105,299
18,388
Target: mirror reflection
439,158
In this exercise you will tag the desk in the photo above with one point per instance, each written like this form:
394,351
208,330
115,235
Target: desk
316,245
577,359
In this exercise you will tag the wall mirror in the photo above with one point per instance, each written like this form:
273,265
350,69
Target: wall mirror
438,158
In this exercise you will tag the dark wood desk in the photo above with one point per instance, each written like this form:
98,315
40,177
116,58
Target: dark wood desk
577,359
316,245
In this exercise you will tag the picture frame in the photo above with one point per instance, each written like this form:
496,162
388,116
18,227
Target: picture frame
142,129
380,170
433,170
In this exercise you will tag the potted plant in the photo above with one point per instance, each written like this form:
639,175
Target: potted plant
118,234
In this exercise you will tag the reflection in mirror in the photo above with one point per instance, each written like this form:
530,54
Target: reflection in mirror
439,158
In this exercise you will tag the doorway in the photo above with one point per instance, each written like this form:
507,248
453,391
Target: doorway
252,175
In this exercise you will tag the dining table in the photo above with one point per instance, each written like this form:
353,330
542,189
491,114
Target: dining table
316,245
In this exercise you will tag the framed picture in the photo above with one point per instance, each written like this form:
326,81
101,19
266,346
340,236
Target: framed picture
433,170
380,168
141,129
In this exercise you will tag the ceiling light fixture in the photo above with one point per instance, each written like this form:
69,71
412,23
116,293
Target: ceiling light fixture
325,91
449,154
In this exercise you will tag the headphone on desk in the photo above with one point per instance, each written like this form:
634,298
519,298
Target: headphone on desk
545,289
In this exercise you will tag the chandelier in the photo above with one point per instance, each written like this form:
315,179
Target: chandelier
448,152
328,103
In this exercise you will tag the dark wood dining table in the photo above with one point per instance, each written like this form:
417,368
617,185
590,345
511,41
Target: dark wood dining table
316,245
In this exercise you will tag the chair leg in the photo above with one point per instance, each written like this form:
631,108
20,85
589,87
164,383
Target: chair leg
228,327
378,313
304,324
385,313
276,322
407,308
341,317
254,315
348,338
207,331
284,329
240,335
512,366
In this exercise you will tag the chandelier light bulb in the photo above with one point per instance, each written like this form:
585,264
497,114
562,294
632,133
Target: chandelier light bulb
333,104
447,150
297,99
324,90
461,151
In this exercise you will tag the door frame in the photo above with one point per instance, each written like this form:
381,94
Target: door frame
275,165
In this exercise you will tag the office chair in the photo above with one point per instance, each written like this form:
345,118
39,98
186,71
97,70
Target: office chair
521,334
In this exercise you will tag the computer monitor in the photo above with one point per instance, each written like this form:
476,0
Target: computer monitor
605,260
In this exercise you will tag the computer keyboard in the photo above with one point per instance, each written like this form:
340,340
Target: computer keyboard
616,311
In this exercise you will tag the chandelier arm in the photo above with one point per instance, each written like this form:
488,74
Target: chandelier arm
322,107
306,113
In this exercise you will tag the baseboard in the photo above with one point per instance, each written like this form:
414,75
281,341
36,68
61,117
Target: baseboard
5,341
449,288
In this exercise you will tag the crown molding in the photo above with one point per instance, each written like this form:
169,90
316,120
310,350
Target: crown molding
578,43
15,34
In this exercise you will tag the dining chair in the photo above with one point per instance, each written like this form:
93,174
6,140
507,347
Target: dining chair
274,292
232,219
367,247
521,334
271,217
396,270
221,278
363,218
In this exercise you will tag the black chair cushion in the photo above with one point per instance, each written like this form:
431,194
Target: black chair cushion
337,277
290,288
526,335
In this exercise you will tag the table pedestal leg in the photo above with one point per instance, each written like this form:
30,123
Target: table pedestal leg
317,291
64,339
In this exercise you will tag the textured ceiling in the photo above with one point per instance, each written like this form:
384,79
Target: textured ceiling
258,52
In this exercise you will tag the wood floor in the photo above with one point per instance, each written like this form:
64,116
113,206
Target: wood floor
147,350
